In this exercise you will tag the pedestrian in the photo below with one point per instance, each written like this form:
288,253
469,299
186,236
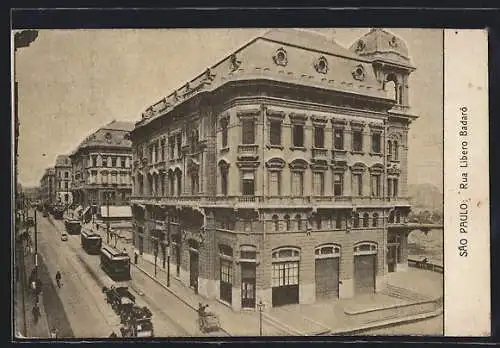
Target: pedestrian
136,257
36,313
58,279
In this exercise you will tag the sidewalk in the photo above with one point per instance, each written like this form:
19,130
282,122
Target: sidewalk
34,330
319,318
243,323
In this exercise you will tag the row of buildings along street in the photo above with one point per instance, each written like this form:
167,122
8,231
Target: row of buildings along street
272,187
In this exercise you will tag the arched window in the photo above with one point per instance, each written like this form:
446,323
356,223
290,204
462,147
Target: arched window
391,88
327,251
298,221
318,221
285,266
365,248
276,224
287,222
366,218
398,217
391,217
395,151
338,221
389,150
355,220
375,220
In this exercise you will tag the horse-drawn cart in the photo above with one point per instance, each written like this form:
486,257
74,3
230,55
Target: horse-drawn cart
120,298
209,322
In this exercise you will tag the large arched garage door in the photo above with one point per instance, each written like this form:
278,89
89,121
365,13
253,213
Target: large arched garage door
285,276
327,259
365,267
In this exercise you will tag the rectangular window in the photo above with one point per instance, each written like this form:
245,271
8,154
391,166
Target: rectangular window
375,185
297,184
319,183
376,140
66,175
223,179
396,188
171,144
226,271
338,184
275,133
179,145
285,273
248,131
113,161
274,183
389,187
319,137
357,184
357,141
224,125
298,135
94,161
248,184
338,138
163,150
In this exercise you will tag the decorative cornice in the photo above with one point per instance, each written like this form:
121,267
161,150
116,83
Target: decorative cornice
275,114
275,163
319,120
248,164
298,118
249,113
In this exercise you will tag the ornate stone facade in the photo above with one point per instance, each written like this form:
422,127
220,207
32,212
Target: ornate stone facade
278,174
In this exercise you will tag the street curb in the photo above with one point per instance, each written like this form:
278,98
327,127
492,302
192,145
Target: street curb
389,322
173,293
165,287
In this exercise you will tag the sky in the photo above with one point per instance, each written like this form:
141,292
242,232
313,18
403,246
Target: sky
72,82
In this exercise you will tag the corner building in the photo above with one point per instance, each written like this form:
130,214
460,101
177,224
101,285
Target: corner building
101,167
279,174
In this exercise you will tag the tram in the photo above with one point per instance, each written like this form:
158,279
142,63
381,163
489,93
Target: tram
115,263
91,241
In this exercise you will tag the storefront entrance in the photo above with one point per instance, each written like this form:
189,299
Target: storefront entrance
365,262
327,260
285,276
193,264
248,275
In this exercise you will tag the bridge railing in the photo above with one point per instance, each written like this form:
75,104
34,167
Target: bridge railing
422,264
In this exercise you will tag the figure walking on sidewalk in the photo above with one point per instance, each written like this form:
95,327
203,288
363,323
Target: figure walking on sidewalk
58,279
36,313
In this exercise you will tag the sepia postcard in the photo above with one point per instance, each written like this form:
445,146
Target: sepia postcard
250,182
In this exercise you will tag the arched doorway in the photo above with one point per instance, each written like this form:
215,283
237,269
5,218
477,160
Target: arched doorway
365,266
327,260
285,276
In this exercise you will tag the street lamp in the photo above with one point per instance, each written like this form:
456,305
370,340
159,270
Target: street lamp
260,306
156,254
107,219
168,250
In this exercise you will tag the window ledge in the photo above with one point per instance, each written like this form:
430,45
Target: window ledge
357,152
224,149
394,161
380,154
298,148
339,150
270,146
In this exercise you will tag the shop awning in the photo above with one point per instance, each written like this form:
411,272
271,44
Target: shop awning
122,212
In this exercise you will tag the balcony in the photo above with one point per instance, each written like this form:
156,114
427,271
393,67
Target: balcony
320,154
271,201
248,152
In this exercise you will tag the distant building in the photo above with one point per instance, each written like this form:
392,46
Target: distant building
63,179
280,172
48,186
101,166
32,194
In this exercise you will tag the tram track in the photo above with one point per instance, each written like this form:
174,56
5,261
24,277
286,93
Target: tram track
133,285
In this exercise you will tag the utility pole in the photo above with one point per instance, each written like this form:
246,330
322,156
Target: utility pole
156,254
36,250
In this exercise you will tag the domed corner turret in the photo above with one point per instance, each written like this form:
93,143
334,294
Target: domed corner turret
391,62
383,46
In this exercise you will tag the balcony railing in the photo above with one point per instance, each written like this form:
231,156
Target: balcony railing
248,149
256,201
320,154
